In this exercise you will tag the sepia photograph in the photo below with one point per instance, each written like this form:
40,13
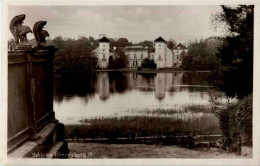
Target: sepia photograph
129,81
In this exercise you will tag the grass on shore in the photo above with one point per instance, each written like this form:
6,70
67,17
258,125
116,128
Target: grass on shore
200,121
94,150
185,109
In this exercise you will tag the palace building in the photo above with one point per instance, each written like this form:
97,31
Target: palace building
135,55
162,56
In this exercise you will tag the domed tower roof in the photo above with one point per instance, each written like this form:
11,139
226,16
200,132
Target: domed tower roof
104,39
160,39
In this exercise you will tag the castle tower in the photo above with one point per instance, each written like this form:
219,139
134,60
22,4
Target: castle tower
160,52
103,54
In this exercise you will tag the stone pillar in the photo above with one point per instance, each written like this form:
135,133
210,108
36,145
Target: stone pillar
30,93
19,110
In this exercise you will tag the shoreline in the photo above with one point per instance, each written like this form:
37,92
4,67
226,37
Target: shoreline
144,71
135,70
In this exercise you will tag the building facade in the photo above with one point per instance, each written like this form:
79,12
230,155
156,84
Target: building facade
135,55
162,56
178,52
103,53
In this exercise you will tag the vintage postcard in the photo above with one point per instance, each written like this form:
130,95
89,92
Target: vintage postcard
130,83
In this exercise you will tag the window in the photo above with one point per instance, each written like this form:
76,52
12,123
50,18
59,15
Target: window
104,50
159,45
135,56
141,56
177,56
104,45
159,56
104,56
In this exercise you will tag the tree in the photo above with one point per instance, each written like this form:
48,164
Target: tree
183,53
199,57
186,62
74,57
237,51
111,62
145,43
236,74
122,42
121,60
146,63
58,42
171,43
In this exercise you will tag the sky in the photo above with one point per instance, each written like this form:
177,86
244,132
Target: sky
136,23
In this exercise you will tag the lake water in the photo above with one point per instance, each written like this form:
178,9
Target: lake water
126,94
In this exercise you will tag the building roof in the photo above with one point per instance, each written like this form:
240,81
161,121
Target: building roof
159,39
151,49
139,48
104,39
181,46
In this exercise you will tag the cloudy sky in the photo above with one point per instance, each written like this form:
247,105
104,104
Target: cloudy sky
137,23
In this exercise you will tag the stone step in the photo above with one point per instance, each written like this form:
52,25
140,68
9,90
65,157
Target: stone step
23,150
46,132
28,147
57,150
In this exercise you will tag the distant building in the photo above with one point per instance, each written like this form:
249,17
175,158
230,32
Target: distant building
163,55
160,53
103,52
178,52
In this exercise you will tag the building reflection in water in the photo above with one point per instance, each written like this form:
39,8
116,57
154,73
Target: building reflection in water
138,81
103,86
161,83
177,81
168,81
160,86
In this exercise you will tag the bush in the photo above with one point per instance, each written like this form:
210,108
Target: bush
244,114
236,124
147,63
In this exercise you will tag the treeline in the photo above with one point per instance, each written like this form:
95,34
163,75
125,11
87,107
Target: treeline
202,55
74,56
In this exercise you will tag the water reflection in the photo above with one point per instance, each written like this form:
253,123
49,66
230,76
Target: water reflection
110,93
103,86
160,86
68,88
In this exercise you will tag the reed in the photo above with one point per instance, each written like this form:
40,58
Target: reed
143,126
